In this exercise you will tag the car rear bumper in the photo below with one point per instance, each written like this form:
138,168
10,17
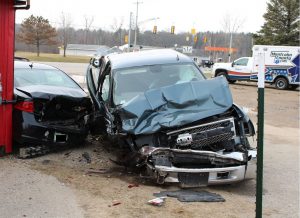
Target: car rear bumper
27,131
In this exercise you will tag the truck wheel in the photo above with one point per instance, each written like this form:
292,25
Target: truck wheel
222,73
281,83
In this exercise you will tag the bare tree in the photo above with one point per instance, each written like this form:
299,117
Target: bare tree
231,25
88,21
117,30
65,35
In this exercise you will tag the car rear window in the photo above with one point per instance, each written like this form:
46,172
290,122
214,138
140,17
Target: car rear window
50,77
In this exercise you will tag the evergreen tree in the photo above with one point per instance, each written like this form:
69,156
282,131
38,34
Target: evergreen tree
37,31
281,25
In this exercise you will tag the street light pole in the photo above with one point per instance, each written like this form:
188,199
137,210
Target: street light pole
136,21
230,46
129,31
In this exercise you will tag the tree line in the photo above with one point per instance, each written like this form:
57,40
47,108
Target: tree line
69,35
281,27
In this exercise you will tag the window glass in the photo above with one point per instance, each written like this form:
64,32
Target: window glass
241,62
105,88
95,73
50,77
131,82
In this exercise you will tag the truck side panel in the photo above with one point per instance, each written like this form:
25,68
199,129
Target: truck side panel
280,61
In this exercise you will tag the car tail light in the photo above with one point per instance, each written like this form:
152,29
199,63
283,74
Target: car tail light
26,106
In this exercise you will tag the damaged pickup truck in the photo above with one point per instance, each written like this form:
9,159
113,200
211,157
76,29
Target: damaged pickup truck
177,125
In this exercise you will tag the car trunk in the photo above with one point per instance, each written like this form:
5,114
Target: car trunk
58,105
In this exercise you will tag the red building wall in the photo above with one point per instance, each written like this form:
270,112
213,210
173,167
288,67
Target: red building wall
7,38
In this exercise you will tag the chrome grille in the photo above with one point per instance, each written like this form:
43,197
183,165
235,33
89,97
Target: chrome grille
206,134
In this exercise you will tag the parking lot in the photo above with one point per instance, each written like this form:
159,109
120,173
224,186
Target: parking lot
73,191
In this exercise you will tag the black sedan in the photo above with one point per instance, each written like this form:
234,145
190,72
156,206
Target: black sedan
51,109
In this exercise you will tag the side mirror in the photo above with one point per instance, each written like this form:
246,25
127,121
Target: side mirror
232,64
96,62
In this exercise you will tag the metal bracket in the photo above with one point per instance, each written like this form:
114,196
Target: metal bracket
7,101
22,4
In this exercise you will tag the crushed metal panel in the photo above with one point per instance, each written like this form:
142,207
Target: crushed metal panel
175,105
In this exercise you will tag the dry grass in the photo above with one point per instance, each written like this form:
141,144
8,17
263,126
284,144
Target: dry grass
46,57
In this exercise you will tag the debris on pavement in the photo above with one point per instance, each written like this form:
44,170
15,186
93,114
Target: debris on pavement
99,171
133,185
115,203
87,157
46,161
191,196
157,201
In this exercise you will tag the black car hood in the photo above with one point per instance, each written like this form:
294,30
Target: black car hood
175,106
49,92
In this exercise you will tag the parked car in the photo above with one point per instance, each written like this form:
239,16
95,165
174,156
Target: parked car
50,108
177,125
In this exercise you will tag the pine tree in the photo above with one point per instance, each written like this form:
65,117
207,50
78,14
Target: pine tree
37,31
281,25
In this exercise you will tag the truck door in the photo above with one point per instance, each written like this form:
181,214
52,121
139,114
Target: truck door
240,69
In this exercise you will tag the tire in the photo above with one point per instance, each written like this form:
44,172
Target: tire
281,83
222,73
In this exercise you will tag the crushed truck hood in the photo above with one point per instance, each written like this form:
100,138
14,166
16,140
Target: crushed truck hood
175,106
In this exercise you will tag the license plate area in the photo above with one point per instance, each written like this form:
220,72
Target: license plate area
60,137
193,179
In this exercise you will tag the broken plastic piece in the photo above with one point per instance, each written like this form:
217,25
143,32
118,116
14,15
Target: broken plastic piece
133,185
87,157
115,203
157,201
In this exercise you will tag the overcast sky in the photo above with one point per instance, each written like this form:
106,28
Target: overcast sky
203,15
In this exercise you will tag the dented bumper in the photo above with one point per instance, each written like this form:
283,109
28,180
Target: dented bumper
193,168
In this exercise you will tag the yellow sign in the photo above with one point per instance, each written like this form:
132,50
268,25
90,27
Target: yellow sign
126,39
154,29
172,29
193,31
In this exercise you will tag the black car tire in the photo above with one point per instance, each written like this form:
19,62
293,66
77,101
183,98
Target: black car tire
223,73
281,83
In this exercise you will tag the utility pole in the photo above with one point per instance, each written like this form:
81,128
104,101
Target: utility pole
230,46
136,21
129,31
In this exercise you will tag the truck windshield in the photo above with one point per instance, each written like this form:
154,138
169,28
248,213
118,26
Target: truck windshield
130,82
